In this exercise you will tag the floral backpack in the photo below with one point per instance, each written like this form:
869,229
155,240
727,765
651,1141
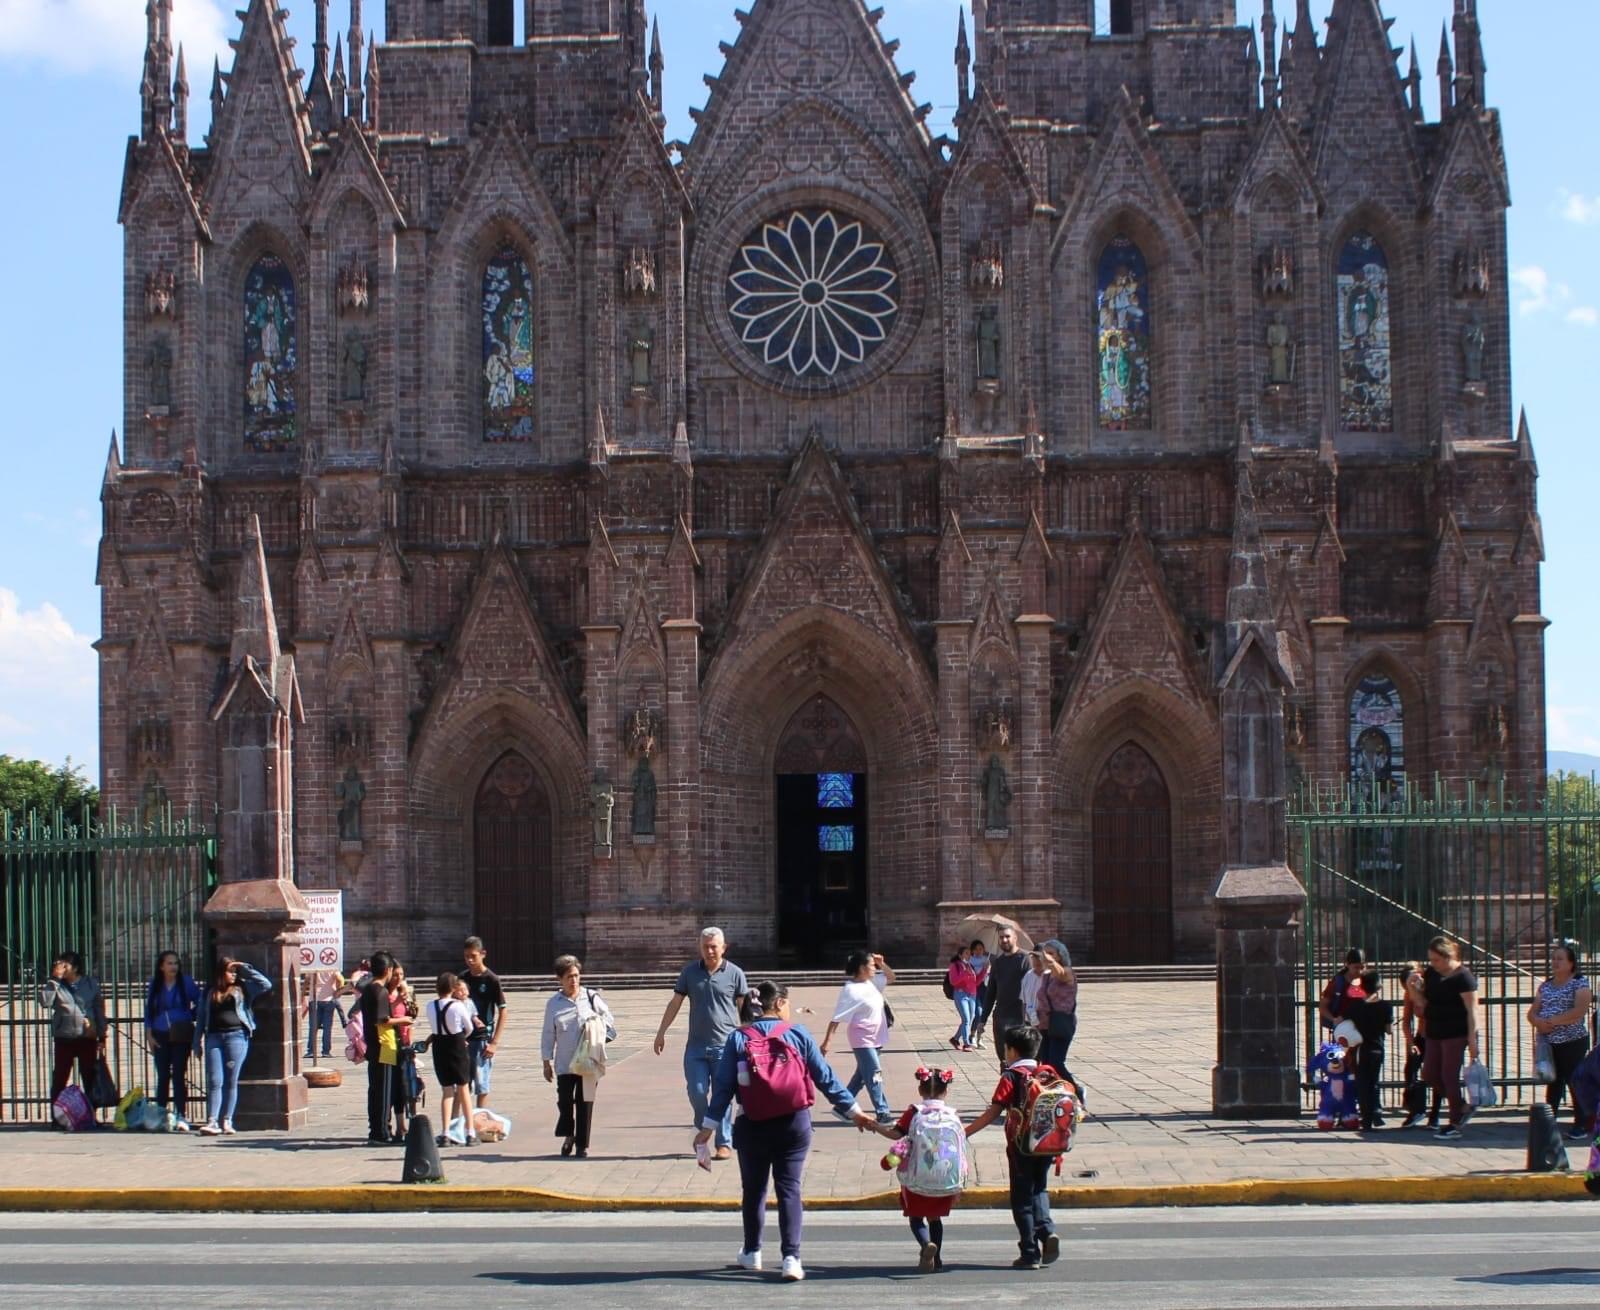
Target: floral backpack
936,1161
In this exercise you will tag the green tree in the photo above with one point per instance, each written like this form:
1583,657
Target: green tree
33,785
1572,848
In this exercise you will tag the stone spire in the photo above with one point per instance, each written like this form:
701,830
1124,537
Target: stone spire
658,67
372,86
963,62
352,104
1301,59
180,103
217,98
1249,597
336,83
1252,64
1269,55
1446,75
113,466
255,626
1469,55
155,90
319,94
1414,83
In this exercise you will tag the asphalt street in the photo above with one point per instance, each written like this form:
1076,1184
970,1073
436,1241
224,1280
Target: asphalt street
1372,1257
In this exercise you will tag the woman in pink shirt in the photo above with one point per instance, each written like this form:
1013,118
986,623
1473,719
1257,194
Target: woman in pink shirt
963,980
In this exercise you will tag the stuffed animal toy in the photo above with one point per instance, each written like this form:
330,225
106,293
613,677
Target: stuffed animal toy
1331,1070
895,1157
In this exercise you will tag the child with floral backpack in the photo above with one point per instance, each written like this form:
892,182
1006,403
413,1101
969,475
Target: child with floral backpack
930,1153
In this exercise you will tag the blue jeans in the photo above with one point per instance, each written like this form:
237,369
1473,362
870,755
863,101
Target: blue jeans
967,1016
699,1072
869,1074
321,1020
225,1052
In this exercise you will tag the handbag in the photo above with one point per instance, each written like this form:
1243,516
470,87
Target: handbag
102,1090
888,1015
180,1032
1544,1060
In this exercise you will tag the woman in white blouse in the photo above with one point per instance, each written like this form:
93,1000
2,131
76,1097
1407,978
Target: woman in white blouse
565,1015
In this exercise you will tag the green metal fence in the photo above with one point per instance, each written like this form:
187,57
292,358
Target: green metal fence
1389,870
117,894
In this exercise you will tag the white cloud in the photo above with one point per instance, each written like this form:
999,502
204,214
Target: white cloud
99,37
1584,315
1535,291
48,685
1579,208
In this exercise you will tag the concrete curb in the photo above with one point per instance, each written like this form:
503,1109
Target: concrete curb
399,1198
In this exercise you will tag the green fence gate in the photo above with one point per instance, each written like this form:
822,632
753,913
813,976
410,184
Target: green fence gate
1389,870
117,894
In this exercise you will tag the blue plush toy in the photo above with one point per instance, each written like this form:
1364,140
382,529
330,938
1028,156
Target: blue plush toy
1332,1070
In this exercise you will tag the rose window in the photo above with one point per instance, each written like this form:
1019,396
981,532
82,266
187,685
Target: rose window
812,293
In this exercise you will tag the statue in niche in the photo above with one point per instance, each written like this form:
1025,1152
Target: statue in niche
350,792
602,800
160,374
1472,342
353,369
996,797
152,802
989,344
644,799
1280,354
641,343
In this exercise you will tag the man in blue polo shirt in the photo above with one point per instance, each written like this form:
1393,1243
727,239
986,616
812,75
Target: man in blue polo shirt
714,987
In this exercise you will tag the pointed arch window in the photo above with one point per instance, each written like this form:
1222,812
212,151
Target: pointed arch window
508,368
1122,336
271,356
1366,396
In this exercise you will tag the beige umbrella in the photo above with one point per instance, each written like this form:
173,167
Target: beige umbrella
986,928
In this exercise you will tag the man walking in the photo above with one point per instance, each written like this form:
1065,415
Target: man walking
714,987
373,1005
1002,990
490,1000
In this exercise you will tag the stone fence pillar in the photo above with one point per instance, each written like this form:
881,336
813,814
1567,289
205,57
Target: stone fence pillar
1257,1075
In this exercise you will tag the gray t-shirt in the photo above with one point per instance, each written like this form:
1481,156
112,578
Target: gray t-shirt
713,1002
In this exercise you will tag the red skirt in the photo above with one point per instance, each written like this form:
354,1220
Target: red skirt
914,1206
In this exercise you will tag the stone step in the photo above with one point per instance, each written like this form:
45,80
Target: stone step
828,977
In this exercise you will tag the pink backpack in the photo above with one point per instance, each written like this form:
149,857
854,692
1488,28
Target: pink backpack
355,1037
72,1110
777,1082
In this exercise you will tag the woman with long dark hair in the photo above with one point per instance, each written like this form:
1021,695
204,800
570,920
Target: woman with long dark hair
1449,1000
1560,1016
169,1012
224,1023
773,1132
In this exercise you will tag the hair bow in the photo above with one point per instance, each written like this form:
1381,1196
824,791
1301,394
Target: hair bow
945,1076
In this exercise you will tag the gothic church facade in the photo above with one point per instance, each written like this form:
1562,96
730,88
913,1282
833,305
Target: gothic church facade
818,527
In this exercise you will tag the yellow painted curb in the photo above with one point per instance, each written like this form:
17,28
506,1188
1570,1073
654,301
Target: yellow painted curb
399,1198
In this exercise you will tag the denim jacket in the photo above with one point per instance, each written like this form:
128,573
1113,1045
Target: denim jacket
253,983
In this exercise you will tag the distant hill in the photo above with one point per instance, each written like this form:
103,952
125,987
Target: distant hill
1573,762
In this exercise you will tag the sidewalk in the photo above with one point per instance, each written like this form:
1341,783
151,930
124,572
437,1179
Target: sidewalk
1144,1050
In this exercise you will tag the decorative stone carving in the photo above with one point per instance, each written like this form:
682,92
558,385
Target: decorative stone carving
152,801
354,289
602,801
350,792
150,742
997,796
160,369
152,516
988,271
642,733
641,345
350,737
1472,343
1277,273
988,340
160,295
353,370
639,273
995,727
1280,354
1471,268
644,799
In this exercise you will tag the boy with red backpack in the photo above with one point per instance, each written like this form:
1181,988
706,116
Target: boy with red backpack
1041,1110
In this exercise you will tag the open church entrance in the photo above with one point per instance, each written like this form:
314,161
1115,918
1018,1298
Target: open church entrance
821,810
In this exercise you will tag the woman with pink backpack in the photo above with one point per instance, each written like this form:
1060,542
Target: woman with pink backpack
774,1069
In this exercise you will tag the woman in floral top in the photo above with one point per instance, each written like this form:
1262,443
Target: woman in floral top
1560,1015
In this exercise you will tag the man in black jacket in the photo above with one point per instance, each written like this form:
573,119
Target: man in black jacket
1001,998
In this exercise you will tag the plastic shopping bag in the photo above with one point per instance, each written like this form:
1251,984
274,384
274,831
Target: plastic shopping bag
1480,1091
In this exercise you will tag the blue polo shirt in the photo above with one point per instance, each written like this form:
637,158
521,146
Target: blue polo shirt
713,1002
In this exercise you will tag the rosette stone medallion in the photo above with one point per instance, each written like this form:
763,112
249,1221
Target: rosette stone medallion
813,293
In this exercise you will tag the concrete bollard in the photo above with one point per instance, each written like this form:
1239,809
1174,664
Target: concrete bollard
1547,1153
422,1153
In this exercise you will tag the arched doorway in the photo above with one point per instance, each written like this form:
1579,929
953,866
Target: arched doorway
821,830
1132,861
512,884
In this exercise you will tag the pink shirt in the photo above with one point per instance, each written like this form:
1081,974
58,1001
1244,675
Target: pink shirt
963,979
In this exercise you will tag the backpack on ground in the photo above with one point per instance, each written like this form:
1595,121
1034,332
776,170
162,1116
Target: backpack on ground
775,1081
71,1110
1044,1114
936,1161
355,1037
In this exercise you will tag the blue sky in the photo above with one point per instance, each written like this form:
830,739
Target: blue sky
69,93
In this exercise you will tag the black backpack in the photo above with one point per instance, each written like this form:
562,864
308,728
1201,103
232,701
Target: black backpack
949,991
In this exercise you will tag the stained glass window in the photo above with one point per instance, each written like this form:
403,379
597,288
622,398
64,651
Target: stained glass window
1366,397
836,791
508,373
271,355
836,837
1377,733
1122,337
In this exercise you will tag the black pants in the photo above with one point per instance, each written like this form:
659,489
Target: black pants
1030,1200
1567,1056
928,1230
377,1099
775,1148
1056,1045
574,1115
172,1072
1369,1070
1416,1093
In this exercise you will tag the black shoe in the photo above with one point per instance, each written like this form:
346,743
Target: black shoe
566,1147
377,1141
1379,1121
582,1152
1448,1133
1027,1262
1050,1249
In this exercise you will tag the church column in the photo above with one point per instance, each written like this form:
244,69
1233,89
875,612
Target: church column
1449,712
1031,806
1331,756
1528,769
956,762
600,684
686,888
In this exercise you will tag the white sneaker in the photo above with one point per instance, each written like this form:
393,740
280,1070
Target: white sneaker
209,1130
228,1129
180,1125
749,1260
793,1271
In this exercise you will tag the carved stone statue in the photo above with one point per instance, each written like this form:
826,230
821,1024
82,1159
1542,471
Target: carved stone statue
350,792
160,374
1472,340
602,800
353,369
152,802
996,797
1280,354
989,344
641,343
644,799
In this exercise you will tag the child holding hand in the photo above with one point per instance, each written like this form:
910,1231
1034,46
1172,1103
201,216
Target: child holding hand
930,1153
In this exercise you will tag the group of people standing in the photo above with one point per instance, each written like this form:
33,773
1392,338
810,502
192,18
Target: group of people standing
1010,986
